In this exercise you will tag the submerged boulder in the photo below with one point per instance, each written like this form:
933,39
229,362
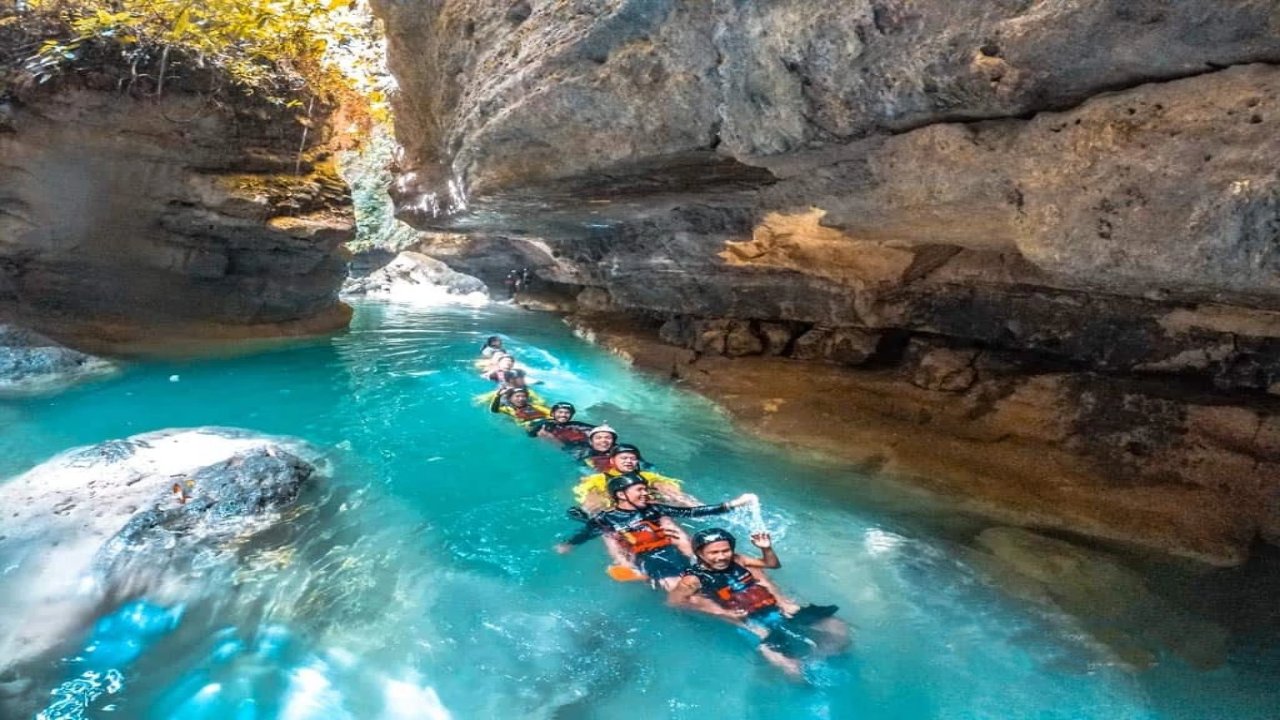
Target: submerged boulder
147,514
1111,603
30,363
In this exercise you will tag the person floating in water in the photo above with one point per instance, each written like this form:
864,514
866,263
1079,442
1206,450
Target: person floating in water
592,492
515,403
741,592
596,455
640,532
492,346
501,364
561,427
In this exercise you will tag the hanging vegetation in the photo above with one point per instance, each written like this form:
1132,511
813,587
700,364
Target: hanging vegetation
280,50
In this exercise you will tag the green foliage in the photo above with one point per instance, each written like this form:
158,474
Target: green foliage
330,46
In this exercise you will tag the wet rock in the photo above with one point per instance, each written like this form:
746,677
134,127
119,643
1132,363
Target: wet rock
411,274
776,338
594,300
30,362
231,499
812,344
943,369
851,346
739,340
167,508
676,331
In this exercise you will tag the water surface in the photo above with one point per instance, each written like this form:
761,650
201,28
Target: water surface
419,582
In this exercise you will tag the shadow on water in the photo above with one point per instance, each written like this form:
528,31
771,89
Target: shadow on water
419,582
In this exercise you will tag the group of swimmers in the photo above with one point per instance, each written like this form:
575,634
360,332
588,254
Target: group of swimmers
622,500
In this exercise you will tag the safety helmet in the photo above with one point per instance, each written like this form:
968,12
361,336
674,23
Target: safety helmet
703,538
620,448
489,342
624,481
512,392
603,428
564,406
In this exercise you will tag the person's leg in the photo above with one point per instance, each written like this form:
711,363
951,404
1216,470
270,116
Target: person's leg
832,636
616,553
790,666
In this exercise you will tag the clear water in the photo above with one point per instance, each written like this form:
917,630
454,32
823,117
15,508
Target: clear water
420,582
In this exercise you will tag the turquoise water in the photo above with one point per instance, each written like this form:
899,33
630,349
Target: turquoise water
419,583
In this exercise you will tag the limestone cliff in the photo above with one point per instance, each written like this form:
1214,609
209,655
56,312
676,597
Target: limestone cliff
131,208
1083,193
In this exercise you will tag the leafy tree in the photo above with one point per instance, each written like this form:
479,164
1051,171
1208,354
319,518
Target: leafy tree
330,48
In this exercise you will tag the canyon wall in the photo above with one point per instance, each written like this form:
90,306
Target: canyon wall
1071,207
132,209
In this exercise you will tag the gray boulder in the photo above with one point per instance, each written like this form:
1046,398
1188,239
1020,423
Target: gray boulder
31,363
412,275
143,515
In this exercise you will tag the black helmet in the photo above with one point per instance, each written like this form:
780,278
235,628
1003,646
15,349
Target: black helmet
565,406
624,481
703,538
620,448
518,390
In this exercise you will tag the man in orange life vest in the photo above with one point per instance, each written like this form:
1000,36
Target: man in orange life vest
742,593
645,531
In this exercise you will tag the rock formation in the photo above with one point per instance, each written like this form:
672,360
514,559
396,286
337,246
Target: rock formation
1074,203
30,362
127,207
411,275
132,517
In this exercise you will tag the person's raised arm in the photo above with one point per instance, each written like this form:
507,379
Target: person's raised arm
584,534
704,510
768,558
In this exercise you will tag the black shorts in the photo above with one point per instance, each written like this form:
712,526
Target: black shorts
662,563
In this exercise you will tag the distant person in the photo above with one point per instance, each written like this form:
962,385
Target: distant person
513,284
741,592
501,364
644,531
492,346
525,277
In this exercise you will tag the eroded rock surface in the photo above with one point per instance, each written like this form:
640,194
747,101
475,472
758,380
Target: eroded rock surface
412,275
153,514
1065,209
126,206
31,363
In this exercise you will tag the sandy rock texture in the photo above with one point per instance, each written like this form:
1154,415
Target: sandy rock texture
1074,201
